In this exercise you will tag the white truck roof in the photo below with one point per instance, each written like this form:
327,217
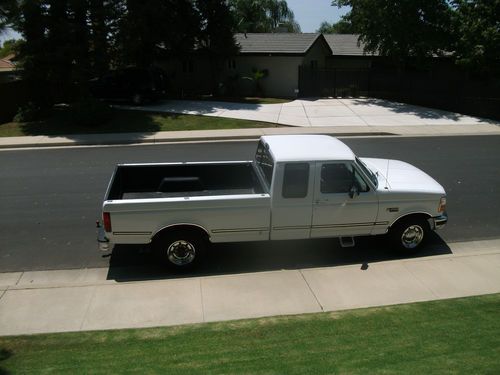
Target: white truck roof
307,148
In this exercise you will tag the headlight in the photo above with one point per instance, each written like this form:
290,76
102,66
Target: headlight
442,204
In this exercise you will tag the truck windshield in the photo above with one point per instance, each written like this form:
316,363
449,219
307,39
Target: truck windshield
265,162
367,172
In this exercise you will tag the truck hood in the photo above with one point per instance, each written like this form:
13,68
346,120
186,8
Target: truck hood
399,176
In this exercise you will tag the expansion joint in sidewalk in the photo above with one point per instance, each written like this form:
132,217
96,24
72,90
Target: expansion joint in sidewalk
201,302
312,292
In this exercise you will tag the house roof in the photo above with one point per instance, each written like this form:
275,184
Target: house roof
6,63
298,43
285,43
345,44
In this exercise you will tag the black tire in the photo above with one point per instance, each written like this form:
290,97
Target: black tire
180,249
409,234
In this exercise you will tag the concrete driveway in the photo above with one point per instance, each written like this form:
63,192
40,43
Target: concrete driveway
313,112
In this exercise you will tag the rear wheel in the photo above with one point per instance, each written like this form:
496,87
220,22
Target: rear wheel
408,235
181,249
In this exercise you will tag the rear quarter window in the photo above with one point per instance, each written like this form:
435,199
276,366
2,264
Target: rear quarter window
295,180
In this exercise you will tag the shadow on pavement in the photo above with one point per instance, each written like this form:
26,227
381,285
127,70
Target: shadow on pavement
416,110
135,263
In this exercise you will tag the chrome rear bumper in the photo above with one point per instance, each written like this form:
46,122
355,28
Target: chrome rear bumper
102,240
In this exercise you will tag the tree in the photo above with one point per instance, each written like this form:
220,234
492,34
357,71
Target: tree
476,27
10,46
58,47
66,42
32,53
216,34
344,26
7,8
171,25
401,30
99,17
263,16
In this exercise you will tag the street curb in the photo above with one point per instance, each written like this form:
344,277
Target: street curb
113,139
108,139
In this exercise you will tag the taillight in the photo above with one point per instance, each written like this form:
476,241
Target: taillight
106,220
442,204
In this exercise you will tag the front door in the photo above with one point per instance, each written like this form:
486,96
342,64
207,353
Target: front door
344,203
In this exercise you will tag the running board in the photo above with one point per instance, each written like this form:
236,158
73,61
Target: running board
347,241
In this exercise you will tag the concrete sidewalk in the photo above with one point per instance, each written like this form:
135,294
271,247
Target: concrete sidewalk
77,300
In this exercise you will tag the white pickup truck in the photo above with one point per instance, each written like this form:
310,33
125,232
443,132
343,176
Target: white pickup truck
298,186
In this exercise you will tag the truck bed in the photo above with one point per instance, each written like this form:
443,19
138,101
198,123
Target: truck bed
149,181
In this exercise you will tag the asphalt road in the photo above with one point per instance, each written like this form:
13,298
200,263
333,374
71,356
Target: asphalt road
50,199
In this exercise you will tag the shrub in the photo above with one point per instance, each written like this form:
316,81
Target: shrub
90,112
29,112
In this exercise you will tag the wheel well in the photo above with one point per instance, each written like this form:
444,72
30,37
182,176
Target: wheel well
418,215
200,231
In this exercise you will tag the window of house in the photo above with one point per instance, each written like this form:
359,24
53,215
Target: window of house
314,64
295,180
339,178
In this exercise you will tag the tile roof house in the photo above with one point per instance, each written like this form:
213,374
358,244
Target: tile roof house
281,55
7,64
276,43
345,44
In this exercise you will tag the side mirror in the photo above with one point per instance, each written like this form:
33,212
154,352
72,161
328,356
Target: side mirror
353,191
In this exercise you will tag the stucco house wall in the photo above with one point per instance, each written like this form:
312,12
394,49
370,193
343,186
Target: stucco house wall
282,74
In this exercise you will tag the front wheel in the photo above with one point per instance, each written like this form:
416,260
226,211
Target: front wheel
180,249
408,235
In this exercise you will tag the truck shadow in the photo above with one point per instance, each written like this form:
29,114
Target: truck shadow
136,263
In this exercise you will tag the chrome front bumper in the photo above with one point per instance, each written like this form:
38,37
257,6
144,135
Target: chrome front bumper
438,222
102,240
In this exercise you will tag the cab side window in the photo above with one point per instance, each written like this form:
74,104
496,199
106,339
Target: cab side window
295,180
339,178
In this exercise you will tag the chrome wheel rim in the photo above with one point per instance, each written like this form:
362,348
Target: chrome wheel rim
181,252
412,236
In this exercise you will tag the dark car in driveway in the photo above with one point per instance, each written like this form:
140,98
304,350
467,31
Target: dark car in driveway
134,85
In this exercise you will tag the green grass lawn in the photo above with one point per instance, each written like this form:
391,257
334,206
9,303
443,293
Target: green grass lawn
460,336
123,121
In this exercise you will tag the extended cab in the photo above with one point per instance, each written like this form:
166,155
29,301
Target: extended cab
298,186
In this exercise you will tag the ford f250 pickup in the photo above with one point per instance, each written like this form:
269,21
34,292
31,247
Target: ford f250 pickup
297,187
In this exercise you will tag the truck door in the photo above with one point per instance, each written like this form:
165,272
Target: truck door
344,202
292,195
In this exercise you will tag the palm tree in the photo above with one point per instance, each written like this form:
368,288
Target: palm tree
254,16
